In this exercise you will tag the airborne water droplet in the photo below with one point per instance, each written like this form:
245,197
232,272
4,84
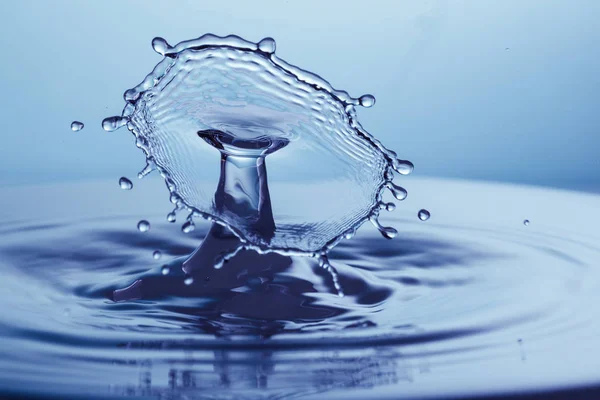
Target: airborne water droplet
526,222
157,255
367,100
188,227
188,281
113,123
125,183
424,215
76,126
171,217
143,226
165,270
267,45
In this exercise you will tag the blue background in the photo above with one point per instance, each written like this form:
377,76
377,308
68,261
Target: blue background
497,90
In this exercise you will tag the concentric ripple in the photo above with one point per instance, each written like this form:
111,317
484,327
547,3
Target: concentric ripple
470,302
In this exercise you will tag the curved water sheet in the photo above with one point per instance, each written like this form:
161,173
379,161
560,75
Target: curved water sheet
226,101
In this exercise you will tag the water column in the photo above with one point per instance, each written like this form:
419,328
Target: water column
242,195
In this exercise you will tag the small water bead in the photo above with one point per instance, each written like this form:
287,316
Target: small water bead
526,222
165,270
157,255
125,183
188,281
387,206
397,191
267,45
188,227
404,167
76,126
367,100
113,123
160,45
424,215
143,226
172,217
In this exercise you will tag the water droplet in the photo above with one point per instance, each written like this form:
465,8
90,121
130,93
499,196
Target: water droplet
404,167
324,263
165,270
390,206
113,123
350,234
76,126
157,255
125,183
160,45
171,217
398,191
424,215
267,45
507,49
367,100
386,231
143,226
188,227
526,222
188,281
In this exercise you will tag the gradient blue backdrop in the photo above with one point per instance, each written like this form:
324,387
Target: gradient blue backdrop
498,90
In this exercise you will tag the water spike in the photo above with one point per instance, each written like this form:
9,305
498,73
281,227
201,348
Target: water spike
147,169
110,124
386,231
367,100
188,226
172,216
404,167
131,95
267,45
326,265
387,206
398,191
160,45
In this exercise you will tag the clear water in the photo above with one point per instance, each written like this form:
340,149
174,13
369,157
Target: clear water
471,302
226,100
476,301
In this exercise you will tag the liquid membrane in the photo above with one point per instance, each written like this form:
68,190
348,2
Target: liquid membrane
226,100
